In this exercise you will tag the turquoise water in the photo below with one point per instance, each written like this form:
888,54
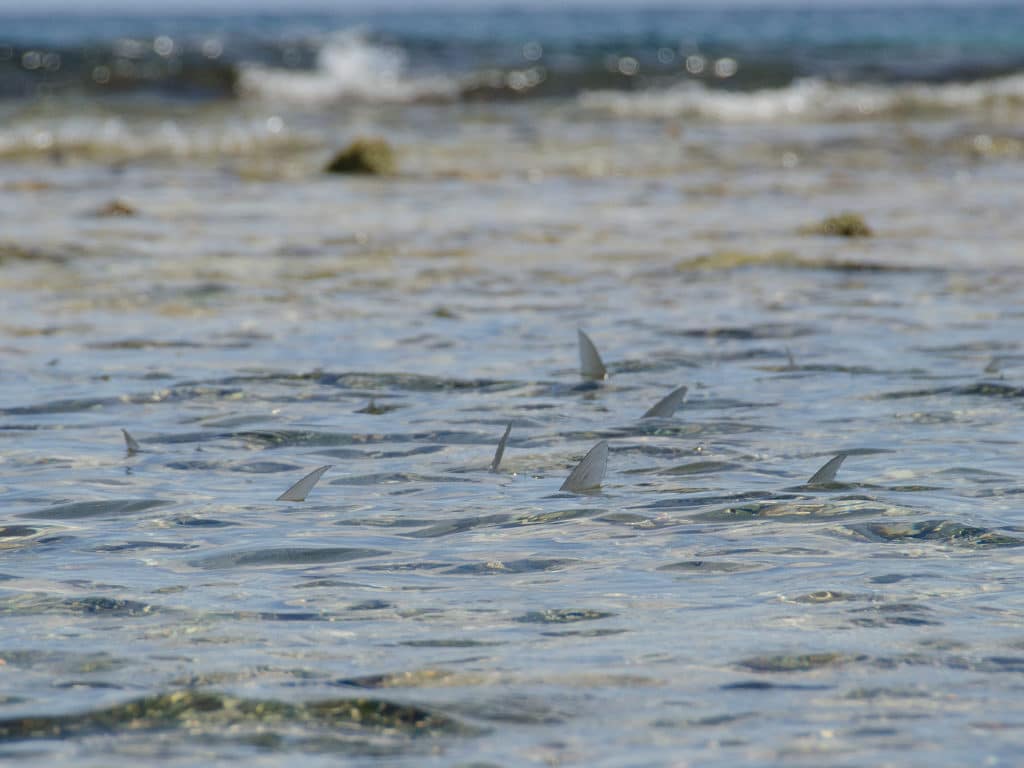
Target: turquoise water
185,271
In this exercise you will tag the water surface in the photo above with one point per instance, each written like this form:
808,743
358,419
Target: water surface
248,318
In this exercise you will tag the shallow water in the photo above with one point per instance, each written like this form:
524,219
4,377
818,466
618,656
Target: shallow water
253,319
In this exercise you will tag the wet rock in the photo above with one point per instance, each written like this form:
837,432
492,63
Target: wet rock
844,225
372,157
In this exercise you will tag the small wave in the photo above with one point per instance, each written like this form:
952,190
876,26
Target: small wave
811,99
348,68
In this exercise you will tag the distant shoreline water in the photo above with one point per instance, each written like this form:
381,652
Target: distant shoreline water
322,60
114,88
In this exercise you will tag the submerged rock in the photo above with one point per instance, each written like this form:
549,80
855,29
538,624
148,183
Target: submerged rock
805,662
215,713
843,225
18,252
28,185
730,259
445,313
364,156
117,208
948,532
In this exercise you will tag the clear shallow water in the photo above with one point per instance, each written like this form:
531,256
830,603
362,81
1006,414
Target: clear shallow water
705,607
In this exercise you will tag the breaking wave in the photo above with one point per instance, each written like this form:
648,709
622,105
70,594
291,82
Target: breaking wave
348,67
813,99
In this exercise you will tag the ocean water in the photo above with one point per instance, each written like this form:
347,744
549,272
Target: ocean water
175,262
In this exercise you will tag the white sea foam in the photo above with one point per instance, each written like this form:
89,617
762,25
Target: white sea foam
811,99
348,68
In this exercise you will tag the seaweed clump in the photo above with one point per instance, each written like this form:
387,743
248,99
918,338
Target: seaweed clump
372,157
843,225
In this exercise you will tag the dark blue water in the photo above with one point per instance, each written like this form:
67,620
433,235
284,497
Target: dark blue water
200,56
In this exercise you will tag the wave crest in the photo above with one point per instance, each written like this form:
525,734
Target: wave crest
812,99
348,68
